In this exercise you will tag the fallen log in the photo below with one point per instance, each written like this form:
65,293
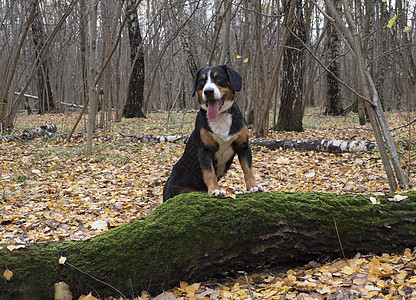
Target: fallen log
319,145
195,236
44,130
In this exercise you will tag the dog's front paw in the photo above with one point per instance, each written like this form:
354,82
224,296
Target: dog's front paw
255,189
218,192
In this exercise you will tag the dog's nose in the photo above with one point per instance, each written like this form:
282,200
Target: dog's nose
209,92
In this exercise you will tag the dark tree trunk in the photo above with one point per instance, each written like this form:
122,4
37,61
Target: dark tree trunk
83,48
291,108
46,103
196,236
333,96
134,104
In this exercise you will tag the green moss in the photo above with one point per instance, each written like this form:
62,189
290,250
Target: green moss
183,230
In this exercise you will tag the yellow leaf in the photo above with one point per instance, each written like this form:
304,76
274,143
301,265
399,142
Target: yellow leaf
14,247
245,60
238,56
190,291
62,260
406,29
183,285
87,297
232,196
391,22
347,270
398,198
374,200
402,275
8,274
359,281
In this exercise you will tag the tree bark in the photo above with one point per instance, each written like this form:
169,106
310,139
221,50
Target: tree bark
6,104
46,103
319,145
44,130
134,103
333,95
291,108
195,236
92,108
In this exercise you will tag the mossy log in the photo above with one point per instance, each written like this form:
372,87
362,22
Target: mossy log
194,236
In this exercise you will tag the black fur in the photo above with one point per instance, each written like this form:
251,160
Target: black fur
187,173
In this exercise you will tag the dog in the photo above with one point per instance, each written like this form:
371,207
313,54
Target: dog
220,133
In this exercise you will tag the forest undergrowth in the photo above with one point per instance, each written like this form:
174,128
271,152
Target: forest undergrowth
52,191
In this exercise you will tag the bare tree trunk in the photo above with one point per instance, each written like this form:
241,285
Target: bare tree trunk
378,122
92,109
83,40
333,95
46,103
6,116
225,36
134,104
291,108
288,22
361,105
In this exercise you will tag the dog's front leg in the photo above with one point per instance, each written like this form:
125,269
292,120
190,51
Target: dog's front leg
208,173
245,158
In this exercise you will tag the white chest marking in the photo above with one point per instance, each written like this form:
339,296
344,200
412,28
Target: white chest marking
221,129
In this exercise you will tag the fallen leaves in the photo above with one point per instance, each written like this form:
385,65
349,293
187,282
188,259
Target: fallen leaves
7,274
52,191
381,277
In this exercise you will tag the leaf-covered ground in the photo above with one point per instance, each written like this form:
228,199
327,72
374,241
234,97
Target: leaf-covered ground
51,190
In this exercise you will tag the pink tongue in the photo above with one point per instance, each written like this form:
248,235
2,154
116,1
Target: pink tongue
213,110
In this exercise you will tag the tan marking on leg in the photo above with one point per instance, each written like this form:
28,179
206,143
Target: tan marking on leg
248,174
210,180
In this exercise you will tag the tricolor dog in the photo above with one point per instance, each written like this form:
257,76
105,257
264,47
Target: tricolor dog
220,133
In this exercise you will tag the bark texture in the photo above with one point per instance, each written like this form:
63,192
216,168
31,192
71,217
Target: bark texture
46,103
291,107
333,95
134,104
195,236
44,130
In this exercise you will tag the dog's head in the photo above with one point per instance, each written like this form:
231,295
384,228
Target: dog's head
216,87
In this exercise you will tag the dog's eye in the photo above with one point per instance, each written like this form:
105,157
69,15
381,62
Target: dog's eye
219,78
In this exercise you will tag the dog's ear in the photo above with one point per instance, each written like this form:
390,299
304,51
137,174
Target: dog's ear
235,79
196,81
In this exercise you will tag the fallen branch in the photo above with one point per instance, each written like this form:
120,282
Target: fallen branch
194,236
150,138
45,130
320,145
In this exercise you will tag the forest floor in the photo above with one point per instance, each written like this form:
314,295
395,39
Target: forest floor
52,191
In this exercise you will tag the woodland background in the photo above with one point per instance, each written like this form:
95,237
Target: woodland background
155,47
